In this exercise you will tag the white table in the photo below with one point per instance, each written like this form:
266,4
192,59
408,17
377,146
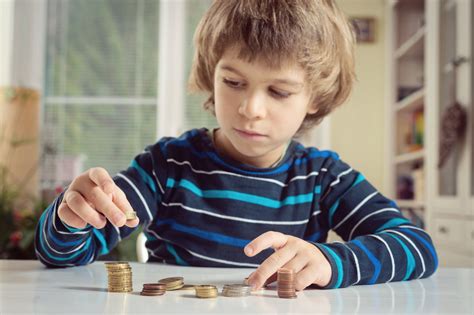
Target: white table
28,287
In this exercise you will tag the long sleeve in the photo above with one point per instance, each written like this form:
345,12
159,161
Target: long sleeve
380,244
58,245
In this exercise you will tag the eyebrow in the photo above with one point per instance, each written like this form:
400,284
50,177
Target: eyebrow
283,81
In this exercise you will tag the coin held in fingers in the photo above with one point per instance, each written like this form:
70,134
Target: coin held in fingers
130,215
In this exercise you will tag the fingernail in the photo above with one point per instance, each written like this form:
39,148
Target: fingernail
248,250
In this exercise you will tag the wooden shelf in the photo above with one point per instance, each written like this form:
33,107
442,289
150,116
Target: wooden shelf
412,47
402,203
411,102
410,157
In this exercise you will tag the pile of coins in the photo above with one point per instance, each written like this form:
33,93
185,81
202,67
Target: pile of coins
236,290
206,291
153,289
173,283
286,283
120,276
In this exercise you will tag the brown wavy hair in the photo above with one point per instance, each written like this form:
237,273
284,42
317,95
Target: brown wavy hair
315,33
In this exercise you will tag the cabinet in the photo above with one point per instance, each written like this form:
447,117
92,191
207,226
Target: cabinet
429,55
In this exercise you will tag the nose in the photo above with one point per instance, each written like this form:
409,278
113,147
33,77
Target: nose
253,107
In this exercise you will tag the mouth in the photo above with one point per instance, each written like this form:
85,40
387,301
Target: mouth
249,134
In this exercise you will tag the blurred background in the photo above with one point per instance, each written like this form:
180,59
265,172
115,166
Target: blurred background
87,83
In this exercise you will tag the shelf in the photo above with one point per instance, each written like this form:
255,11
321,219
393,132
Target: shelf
410,157
411,102
413,47
402,203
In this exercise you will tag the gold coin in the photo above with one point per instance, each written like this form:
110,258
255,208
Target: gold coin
176,287
130,215
171,280
188,287
206,291
115,263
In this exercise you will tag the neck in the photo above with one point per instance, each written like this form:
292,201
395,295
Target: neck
224,147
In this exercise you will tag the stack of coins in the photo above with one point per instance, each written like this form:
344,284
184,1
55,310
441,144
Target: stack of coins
131,215
120,276
286,283
153,289
206,291
234,290
173,283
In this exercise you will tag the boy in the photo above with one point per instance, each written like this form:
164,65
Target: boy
226,197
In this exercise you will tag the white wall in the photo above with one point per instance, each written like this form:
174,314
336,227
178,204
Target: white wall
6,40
357,127
22,43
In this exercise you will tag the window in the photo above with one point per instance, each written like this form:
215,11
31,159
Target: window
195,116
101,84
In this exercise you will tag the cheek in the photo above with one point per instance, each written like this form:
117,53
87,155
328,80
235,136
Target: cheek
225,99
290,116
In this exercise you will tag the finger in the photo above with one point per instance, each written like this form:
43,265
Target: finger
266,240
271,265
68,217
270,280
297,263
101,178
103,203
120,199
77,203
305,277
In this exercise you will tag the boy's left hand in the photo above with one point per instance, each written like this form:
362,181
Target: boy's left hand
307,261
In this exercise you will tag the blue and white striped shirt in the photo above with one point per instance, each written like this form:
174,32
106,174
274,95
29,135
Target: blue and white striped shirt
201,209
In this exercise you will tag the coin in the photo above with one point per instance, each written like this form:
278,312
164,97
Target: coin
188,287
153,289
172,283
234,290
131,215
286,283
155,286
146,293
206,291
119,275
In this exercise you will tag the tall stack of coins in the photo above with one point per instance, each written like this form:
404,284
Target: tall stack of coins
206,291
236,290
153,289
173,283
286,283
120,276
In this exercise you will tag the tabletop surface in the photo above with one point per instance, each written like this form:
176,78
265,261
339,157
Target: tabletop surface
28,287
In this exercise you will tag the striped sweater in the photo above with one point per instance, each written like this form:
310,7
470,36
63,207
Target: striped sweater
199,208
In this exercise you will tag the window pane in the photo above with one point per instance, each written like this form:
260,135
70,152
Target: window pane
83,136
195,115
100,87
106,47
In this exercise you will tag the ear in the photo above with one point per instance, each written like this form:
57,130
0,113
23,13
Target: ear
312,108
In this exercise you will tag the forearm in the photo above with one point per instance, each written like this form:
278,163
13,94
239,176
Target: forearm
58,245
397,254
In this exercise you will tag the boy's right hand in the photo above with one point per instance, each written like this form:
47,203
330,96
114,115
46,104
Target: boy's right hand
93,198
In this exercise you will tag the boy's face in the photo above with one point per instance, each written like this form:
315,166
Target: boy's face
258,108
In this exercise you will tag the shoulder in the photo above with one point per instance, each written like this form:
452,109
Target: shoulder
190,138
314,156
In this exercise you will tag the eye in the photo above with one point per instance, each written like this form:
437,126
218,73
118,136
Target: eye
233,84
279,94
